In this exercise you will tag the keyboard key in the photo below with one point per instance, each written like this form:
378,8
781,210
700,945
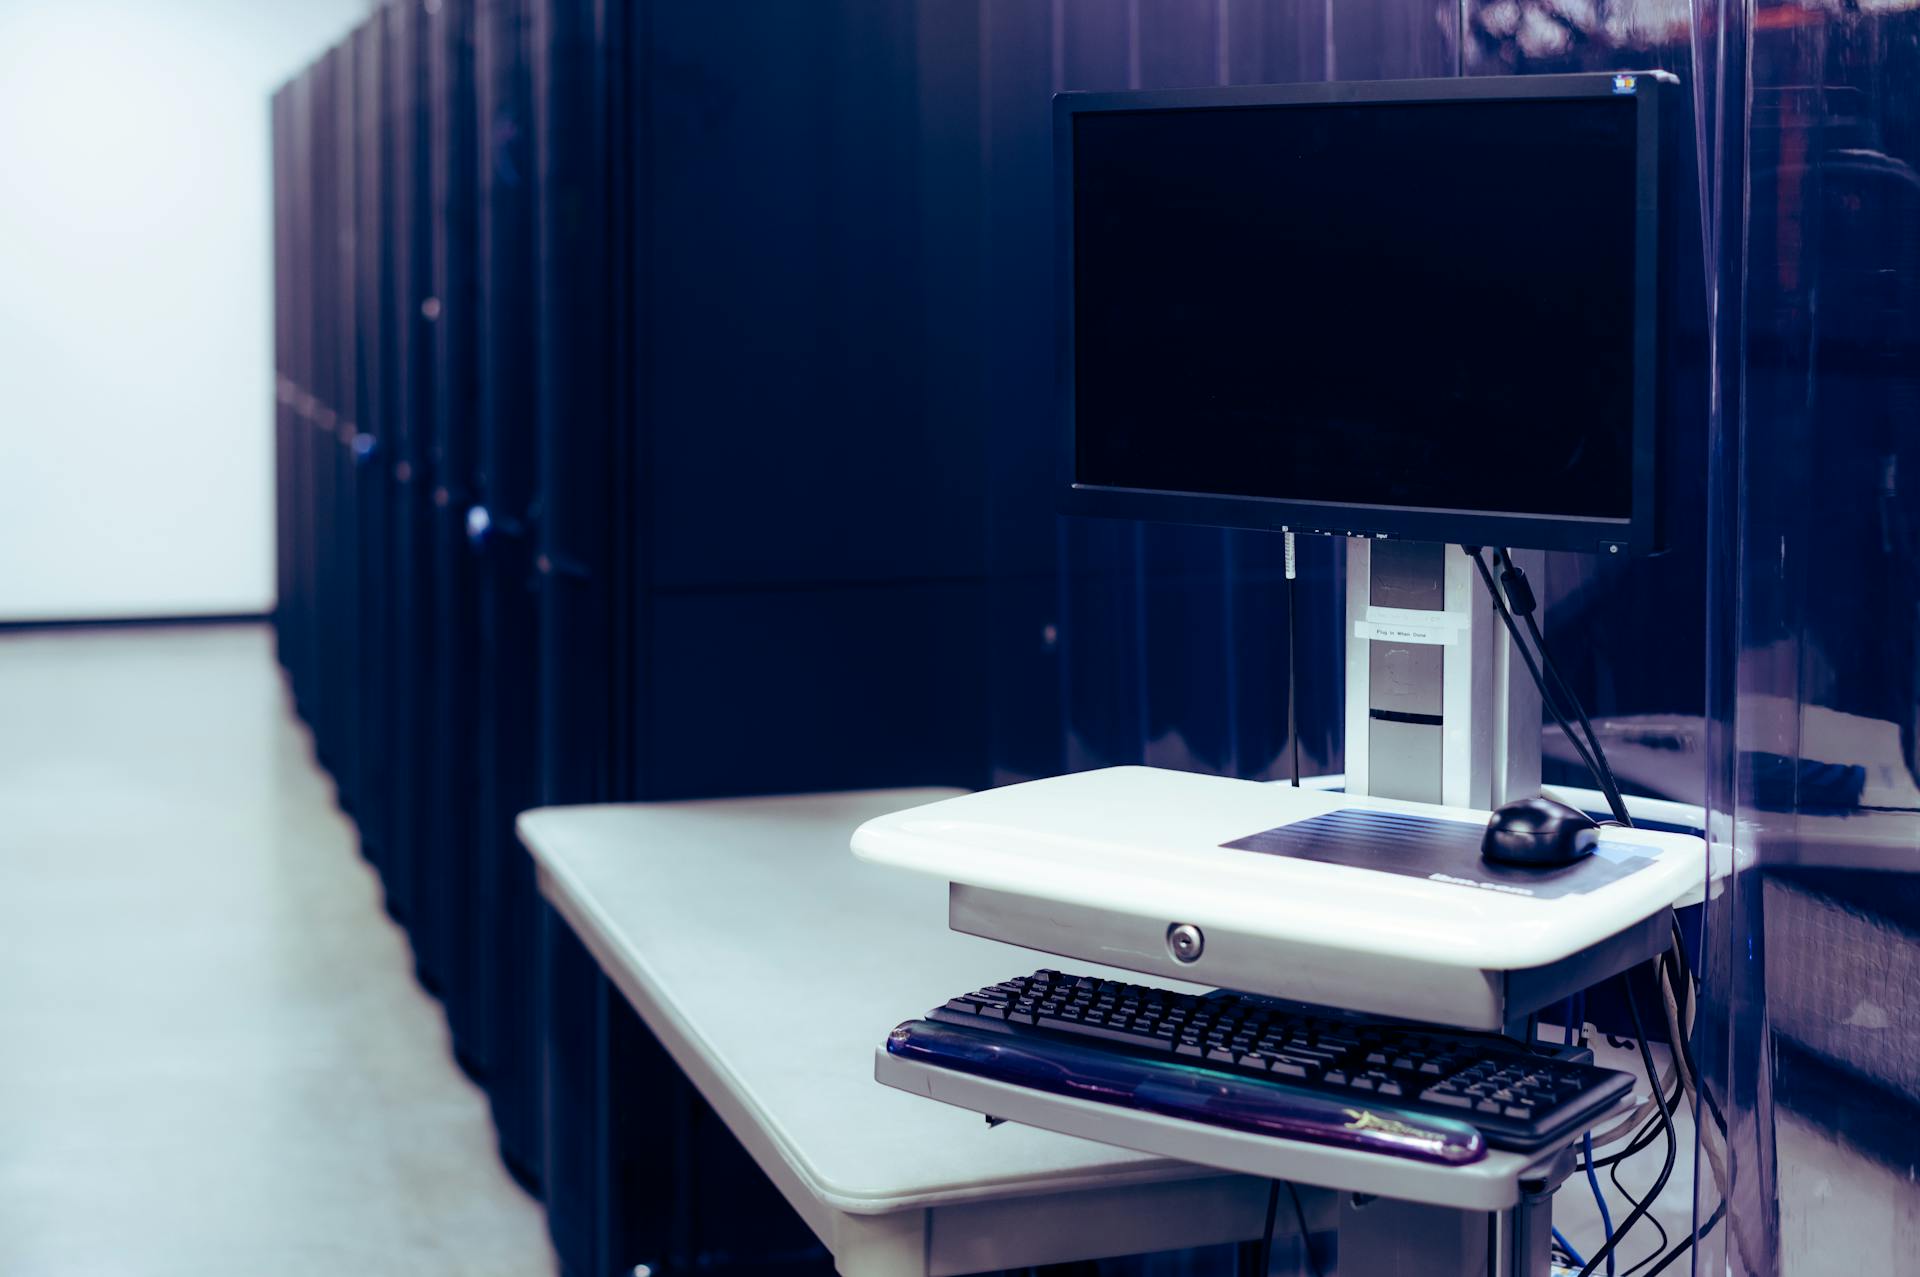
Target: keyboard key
1107,1033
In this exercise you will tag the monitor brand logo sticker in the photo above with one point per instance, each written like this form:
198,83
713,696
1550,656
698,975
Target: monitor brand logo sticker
1624,83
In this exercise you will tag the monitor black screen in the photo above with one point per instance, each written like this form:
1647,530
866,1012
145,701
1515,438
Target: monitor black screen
1424,305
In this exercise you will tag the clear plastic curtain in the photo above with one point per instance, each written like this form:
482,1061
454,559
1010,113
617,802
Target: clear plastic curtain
1813,1010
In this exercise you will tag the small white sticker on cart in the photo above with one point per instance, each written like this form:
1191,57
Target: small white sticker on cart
1387,632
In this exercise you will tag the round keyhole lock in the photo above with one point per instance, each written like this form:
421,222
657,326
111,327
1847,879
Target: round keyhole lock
1185,942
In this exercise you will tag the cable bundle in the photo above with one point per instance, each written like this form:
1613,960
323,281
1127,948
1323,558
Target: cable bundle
1673,973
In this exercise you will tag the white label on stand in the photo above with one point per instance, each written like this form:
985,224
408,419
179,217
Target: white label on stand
1432,635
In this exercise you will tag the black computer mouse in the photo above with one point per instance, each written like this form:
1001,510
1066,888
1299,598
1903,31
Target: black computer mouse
1538,833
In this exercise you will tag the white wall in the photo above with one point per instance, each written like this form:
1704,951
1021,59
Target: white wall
136,444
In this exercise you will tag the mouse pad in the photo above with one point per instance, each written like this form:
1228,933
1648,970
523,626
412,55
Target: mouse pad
1438,850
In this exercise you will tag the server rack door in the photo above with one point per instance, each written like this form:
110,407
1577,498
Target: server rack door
573,305
353,381
509,636
327,242
343,617
300,427
319,393
313,227
282,400
791,291
411,314
797,277
782,306
367,445
331,249
453,708
578,298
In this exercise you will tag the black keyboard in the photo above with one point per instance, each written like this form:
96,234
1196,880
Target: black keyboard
1518,1099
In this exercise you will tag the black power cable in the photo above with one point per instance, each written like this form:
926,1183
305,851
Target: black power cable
1266,1238
1673,1143
1520,599
1306,1235
1613,1173
1642,1139
1533,669
1609,784
1686,1243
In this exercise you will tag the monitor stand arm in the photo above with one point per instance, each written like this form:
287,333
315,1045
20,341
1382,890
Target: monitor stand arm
1439,709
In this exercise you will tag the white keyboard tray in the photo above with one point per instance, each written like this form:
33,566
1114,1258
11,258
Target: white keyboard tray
1493,1183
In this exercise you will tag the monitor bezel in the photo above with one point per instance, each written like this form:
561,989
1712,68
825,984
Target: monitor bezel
1636,534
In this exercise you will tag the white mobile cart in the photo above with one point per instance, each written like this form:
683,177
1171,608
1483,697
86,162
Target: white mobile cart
1369,904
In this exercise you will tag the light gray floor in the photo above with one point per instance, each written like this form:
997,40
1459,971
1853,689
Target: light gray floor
213,1056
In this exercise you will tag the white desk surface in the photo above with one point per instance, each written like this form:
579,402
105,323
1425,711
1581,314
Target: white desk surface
1154,843
770,963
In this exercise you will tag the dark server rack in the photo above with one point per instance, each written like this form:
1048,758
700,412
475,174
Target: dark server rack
605,1140
411,311
604,332
579,311
299,606
752,582
301,341
343,614
367,550
280,111
805,605
306,358
332,183
286,383
342,621
455,938
502,521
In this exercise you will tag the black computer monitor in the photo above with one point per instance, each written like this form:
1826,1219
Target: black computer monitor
1420,309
